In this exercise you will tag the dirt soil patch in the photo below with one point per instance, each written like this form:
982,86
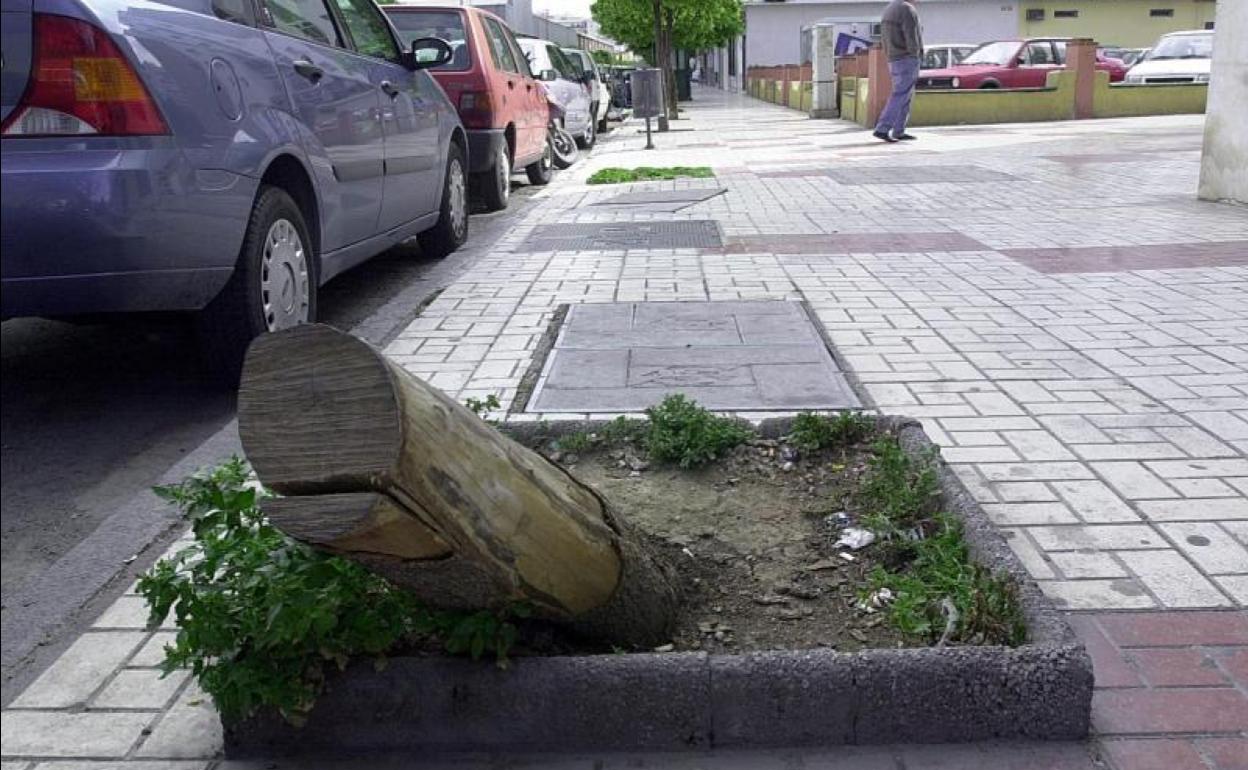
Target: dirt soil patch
753,538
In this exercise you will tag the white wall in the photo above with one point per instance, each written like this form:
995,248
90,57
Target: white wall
1224,162
773,30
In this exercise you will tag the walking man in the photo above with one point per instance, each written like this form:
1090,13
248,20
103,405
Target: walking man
903,45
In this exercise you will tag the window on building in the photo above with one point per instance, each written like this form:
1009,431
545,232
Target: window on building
1208,25
1065,14
1161,13
1035,14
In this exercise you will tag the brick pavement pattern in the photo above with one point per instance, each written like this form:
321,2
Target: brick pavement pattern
1068,322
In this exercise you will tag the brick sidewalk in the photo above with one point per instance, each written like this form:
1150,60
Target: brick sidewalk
1068,322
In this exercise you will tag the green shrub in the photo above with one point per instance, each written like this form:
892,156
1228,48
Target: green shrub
649,173
812,431
260,615
896,492
684,433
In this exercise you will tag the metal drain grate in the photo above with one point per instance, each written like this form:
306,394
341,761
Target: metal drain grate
694,234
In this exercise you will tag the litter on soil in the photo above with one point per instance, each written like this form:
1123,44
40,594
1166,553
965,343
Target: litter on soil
762,542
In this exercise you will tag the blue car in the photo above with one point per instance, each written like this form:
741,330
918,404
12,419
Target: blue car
220,156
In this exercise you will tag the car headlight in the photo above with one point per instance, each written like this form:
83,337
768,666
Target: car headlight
957,82
1135,78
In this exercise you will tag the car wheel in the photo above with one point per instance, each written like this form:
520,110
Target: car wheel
540,173
496,183
452,228
586,140
273,287
987,84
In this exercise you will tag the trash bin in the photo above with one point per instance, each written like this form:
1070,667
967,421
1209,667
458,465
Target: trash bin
684,89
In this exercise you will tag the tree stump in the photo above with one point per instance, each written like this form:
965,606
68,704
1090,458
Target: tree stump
382,468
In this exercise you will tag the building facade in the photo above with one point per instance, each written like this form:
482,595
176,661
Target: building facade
773,28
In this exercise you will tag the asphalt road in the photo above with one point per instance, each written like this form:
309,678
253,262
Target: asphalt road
93,414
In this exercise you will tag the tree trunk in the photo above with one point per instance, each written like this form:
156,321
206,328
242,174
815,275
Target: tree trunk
380,467
659,61
669,65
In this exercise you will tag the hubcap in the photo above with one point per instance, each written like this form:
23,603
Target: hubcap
504,174
285,290
459,198
548,155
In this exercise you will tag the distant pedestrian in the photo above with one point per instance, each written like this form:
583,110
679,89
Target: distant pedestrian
903,45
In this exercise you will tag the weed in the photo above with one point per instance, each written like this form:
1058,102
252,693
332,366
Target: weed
574,442
649,173
685,433
897,493
483,407
812,431
901,497
260,616
987,605
622,430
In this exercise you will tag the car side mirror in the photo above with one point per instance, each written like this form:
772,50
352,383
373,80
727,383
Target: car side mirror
430,52
548,76
1019,62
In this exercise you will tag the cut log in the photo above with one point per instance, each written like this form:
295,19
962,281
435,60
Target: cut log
378,466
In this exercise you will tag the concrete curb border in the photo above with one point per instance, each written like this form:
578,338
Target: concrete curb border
648,701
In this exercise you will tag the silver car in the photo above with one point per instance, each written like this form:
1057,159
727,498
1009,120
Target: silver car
550,65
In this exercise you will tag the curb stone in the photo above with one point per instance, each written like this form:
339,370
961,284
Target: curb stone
1039,690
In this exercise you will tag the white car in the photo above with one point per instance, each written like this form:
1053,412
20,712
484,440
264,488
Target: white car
601,98
1179,57
552,66
938,57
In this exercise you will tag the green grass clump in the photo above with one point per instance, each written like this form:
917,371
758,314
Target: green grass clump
812,432
684,433
649,173
933,567
261,616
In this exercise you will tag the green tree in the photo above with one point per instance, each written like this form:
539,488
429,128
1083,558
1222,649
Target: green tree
696,24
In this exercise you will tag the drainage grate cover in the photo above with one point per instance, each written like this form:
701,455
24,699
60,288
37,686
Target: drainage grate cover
694,234
624,357
689,195
915,174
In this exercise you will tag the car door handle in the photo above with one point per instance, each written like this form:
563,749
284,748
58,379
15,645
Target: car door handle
511,84
389,89
309,70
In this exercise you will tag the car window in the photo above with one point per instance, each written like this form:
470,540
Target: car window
998,54
1183,47
368,29
535,55
444,25
307,19
1059,48
934,59
1038,54
960,53
504,59
578,66
522,61
562,65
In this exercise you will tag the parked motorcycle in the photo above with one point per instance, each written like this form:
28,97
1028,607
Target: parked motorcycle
562,145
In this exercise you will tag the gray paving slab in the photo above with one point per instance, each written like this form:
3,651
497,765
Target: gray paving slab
697,233
726,355
686,195
895,174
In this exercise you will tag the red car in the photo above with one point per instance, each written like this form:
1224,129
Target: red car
502,106
1011,64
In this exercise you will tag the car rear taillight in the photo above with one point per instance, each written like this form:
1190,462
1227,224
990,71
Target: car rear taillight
80,83
476,110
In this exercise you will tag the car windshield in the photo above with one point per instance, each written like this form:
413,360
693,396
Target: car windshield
447,25
1183,47
992,53
578,63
